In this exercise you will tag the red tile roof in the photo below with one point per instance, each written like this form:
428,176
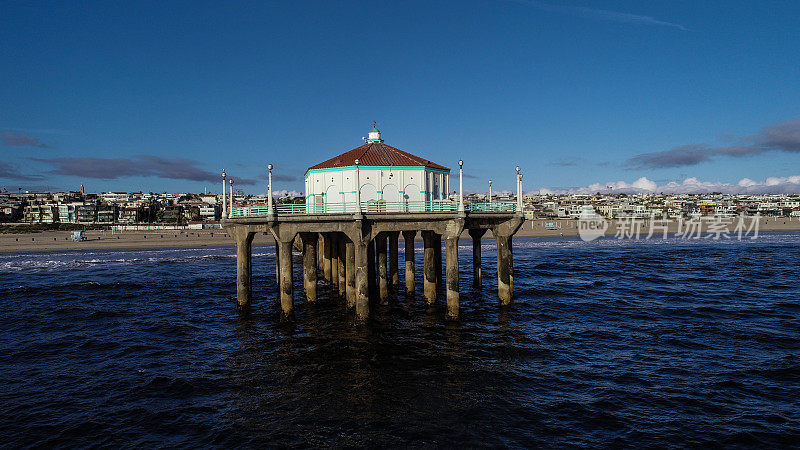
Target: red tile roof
377,154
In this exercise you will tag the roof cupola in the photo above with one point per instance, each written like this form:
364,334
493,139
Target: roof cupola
374,134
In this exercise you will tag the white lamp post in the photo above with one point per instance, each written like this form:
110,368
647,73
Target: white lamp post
460,186
519,191
270,211
224,200
490,194
358,190
230,210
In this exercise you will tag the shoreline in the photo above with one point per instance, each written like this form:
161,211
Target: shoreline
141,240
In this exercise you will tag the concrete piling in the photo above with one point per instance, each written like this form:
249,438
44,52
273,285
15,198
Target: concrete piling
429,266
372,276
362,278
244,267
394,275
350,273
286,285
319,252
437,254
334,262
277,265
408,237
341,260
504,268
511,266
326,258
310,241
453,299
477,276
380,249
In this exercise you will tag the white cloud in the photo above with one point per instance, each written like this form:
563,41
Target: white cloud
285,193
692,185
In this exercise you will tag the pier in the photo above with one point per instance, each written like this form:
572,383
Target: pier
357,205
358,253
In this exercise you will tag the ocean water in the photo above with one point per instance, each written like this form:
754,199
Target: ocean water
613,344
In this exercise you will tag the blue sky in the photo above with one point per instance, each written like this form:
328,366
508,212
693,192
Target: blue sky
160,96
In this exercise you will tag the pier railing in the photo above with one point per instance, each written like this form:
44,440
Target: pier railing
378,206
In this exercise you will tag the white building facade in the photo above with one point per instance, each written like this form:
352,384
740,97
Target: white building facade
389,178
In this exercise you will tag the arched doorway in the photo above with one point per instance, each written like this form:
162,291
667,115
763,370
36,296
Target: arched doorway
391,193
368,192
333,198
413,198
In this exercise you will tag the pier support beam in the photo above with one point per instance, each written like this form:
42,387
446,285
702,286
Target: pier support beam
286,286
504,267
362,264
476,234
429,269
408,237
310,265
277,265
359,237
437,253
320,253
334,262
342,281
453,300
511,265
394,275
326,256
244,266
380,249
350,273
505,260
372,276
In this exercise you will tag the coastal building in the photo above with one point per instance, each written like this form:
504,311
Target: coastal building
209,212
41,213
170,214
210,199
106,213
115,197
10,211
68,212
87,213
130,215
386,175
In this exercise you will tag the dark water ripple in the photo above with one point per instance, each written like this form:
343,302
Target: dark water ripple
612,343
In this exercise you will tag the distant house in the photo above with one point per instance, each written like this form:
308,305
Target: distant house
68,212
106,214
209,212
41,213
130,215
87,213
210,199
707,209
10,211
115,197
171,214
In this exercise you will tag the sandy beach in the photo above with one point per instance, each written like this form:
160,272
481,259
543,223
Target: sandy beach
61,240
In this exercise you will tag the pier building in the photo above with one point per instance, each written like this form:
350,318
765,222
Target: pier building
350,237
387,175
